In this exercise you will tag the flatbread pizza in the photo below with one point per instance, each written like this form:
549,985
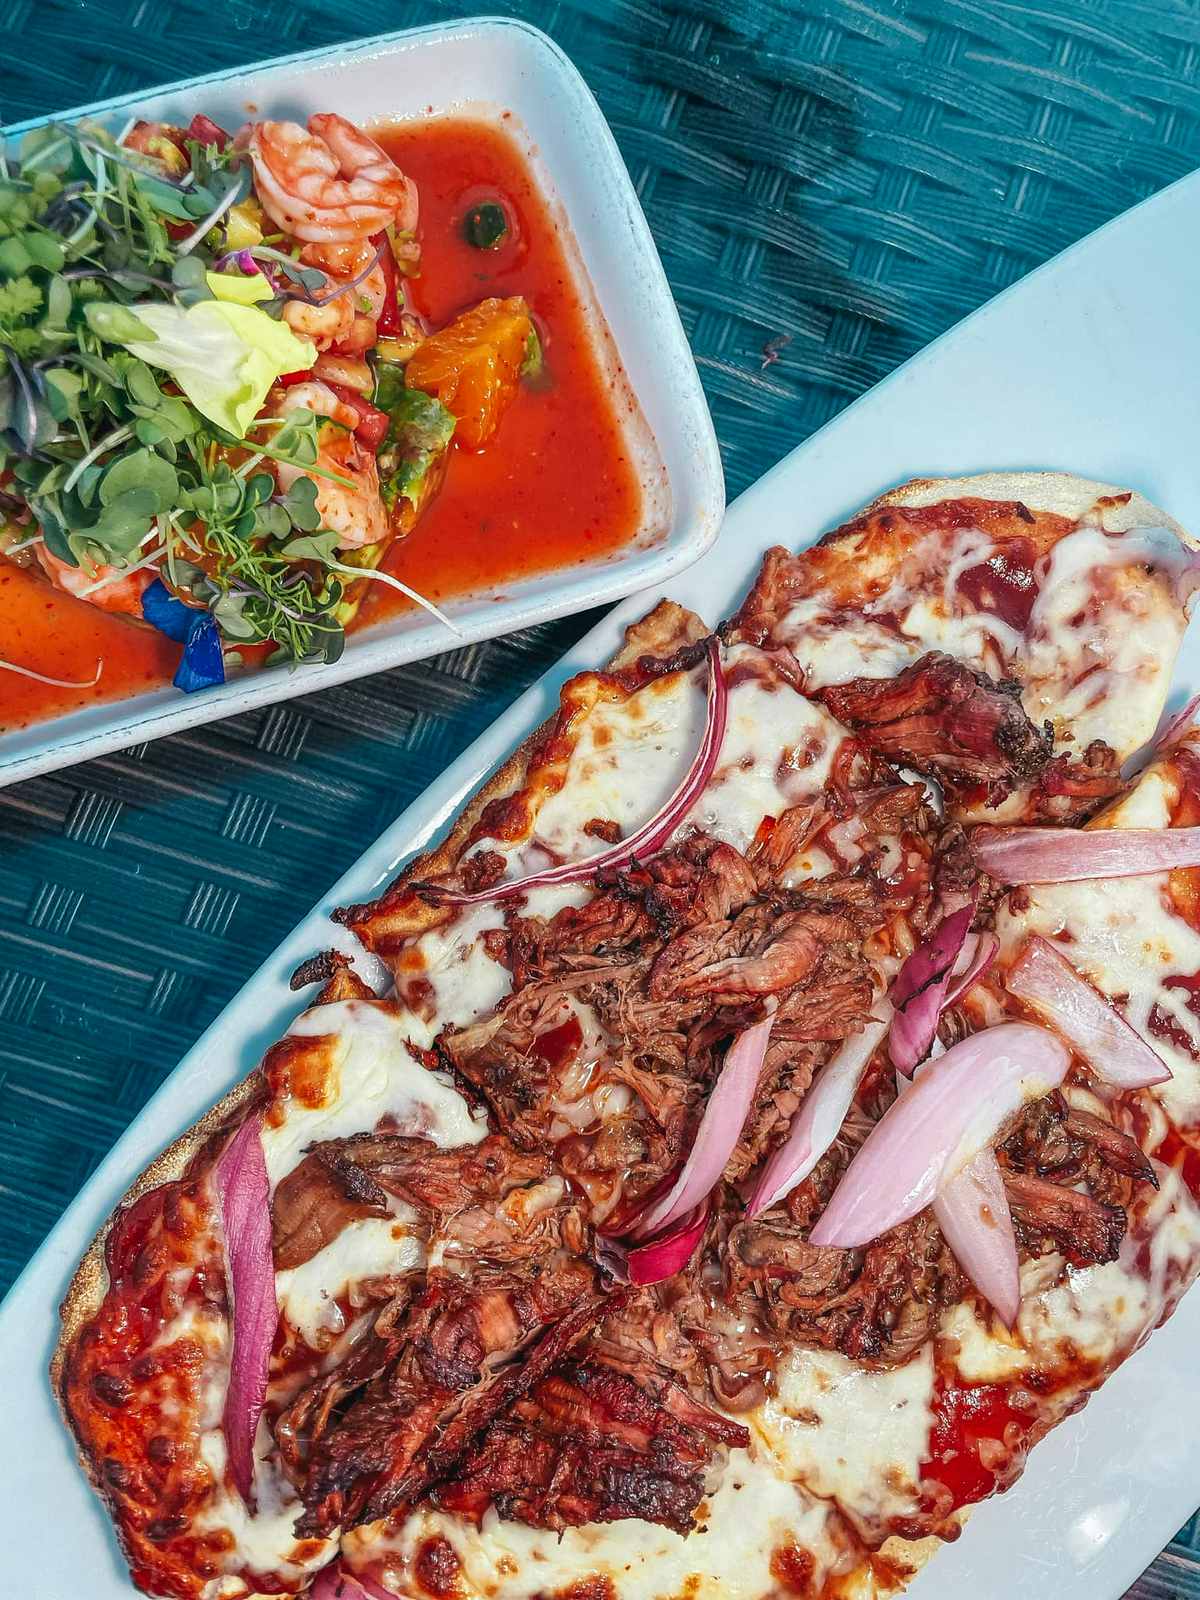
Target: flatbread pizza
783,1110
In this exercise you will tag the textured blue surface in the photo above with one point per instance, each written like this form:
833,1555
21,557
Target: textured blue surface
830,184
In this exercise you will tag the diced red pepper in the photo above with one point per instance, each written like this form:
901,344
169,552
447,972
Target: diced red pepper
205,131
388,323
372,425
287,379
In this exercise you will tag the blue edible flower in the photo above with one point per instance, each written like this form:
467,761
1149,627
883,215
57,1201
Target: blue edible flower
203,663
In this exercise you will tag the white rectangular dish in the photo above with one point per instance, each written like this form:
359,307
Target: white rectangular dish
484,68
1089,365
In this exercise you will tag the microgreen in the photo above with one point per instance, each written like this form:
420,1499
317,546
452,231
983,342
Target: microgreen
128,407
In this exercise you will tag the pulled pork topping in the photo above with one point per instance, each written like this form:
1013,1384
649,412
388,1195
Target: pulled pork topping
513,1372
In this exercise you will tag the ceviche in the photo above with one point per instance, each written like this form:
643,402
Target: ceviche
219,405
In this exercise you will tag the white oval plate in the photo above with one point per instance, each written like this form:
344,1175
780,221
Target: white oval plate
484,68
1092,365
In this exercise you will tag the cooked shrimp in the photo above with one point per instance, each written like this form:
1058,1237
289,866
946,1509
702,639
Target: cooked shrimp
342,263
331,184
347,320
356,514
324,325
104,587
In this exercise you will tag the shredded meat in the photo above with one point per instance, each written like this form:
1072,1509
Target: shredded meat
301,1426
877,1304
312,1205
672,958
1071,790
589,1444
512,1376
1084,1229
420,1412
942,719
489,1200
1072,1146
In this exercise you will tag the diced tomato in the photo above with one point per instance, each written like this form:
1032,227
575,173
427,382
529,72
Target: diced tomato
161,141
372,426
205,131
289,378
387,324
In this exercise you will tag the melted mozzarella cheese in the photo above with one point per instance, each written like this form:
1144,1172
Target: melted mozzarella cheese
1101,643
833,650
1124,935
850,1434
631,756
777,752
1095,657
751,1515
376,1076
922,610
370,1247
465,980
263,1540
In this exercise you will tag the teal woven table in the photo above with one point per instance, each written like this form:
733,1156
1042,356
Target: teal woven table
831,184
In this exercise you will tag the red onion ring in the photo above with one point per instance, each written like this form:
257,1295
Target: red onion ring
973,1213
651,836
815,1126
1043,978
335,1583
664,1257
926,984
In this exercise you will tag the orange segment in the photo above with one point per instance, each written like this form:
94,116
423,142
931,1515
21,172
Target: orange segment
474,364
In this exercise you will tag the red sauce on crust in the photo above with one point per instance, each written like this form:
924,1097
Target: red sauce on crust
978,1441
135,1400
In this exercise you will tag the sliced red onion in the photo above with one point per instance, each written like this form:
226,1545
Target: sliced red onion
819,1119
1043,978
1073,855
1172,728
956,1107
980,950
664,1257
335,1583
719,1131
652,835
972,1211
243,1194
926,984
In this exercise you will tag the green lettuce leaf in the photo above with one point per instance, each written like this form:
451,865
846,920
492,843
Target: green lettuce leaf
223,356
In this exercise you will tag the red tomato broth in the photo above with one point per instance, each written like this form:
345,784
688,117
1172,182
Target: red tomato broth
553,488
60,636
